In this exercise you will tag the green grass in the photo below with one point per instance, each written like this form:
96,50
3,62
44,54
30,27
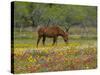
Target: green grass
79,53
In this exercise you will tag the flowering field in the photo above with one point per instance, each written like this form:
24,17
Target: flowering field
76,55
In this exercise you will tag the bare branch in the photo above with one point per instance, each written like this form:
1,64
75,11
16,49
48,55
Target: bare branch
67,28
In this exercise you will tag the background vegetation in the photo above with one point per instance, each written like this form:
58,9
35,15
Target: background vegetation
27,14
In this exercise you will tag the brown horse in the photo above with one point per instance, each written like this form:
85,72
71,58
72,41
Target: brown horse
52,32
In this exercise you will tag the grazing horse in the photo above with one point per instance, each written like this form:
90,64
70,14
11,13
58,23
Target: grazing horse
52,32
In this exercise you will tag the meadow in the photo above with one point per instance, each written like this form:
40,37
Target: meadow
80,53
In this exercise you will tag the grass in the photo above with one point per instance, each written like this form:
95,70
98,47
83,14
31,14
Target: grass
79,53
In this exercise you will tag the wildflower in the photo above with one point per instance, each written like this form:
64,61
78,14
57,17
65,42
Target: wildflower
30,59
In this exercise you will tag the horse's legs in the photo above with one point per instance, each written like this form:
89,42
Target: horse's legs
43,40
39,37
54,40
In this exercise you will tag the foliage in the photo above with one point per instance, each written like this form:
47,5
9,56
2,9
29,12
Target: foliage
27,13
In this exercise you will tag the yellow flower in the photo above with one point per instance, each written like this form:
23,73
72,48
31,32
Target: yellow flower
30,59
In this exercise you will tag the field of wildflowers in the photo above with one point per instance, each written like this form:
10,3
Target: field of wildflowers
78,54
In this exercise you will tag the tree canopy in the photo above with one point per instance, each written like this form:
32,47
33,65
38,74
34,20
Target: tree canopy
34,14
